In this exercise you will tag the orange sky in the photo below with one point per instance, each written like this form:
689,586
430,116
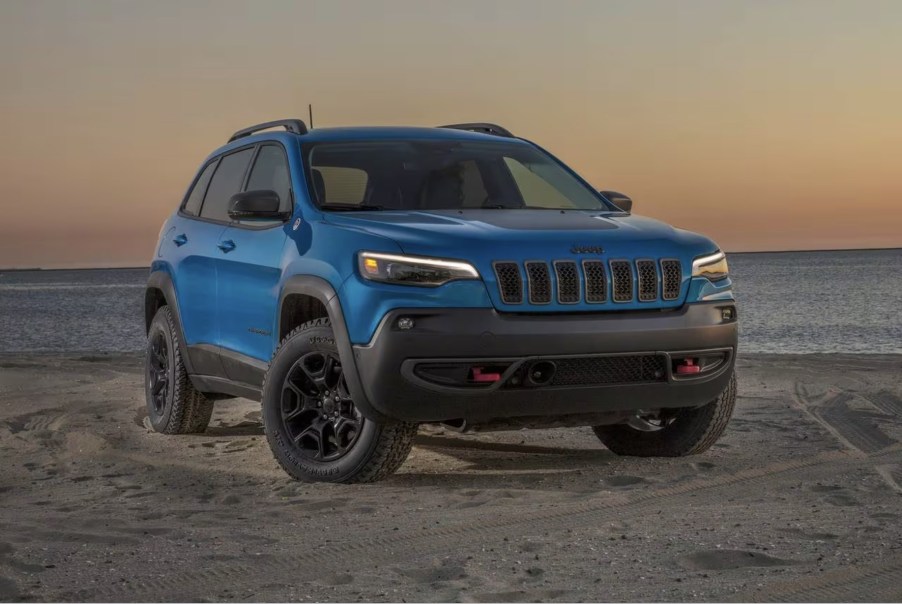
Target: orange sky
766,125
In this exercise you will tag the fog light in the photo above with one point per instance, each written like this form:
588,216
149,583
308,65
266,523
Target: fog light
727,314
405,323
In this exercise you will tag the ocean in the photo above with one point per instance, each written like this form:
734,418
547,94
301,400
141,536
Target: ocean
789,302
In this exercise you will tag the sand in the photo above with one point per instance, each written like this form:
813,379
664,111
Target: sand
801,500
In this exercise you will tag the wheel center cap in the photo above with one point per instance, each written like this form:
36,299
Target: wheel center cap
328,403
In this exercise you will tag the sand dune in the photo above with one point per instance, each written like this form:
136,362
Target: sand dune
801,500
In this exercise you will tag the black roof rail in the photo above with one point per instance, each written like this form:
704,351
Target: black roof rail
294,125
483,127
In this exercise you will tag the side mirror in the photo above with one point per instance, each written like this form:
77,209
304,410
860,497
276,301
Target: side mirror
619,199
256,205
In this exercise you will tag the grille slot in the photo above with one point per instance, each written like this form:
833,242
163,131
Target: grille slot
648,280
584,371
539,281
621,281
671,279
596,281
567,281
510,282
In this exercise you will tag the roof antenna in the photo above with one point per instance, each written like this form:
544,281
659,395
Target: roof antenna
310,113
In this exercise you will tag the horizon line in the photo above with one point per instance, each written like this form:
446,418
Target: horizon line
136,267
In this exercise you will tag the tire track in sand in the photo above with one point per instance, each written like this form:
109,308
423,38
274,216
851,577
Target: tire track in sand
875,583
853,428
398,546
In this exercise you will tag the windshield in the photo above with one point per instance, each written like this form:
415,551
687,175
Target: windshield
443,175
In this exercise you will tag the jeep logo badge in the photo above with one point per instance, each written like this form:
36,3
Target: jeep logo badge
587,249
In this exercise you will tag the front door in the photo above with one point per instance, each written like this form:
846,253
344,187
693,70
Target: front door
249,273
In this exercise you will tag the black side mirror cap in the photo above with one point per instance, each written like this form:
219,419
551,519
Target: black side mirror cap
260,205
619,199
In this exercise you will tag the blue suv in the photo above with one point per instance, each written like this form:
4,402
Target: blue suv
361,281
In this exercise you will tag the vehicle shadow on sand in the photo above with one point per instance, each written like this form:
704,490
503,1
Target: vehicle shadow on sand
489,464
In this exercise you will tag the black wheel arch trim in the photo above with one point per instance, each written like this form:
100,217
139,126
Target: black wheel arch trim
162,281
322,290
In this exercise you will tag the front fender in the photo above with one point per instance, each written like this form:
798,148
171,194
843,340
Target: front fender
322,290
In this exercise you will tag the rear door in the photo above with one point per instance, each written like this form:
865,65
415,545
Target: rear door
202,220
250,271
188,245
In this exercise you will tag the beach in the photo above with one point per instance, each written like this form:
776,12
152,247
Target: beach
800,500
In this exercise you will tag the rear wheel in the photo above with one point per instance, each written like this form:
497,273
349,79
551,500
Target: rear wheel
672,432
174,406
313,427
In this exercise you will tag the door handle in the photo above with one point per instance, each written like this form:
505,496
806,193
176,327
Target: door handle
180,240
226,246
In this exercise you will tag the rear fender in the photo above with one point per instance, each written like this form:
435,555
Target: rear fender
162,281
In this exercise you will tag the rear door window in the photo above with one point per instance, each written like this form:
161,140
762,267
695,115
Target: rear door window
196,196
227,181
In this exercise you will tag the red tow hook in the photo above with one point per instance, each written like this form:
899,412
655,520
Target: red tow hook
688,367
479,376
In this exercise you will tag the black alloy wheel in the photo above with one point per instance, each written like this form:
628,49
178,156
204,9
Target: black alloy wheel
158,371
315,430
317,412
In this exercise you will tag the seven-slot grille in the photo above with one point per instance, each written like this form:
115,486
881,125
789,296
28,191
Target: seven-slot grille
589,281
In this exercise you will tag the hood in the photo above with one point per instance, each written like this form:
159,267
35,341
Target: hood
509,234
556,240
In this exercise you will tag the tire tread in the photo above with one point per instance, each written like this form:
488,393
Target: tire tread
394,439
693,431
191,410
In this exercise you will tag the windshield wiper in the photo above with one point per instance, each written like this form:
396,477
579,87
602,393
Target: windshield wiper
349,207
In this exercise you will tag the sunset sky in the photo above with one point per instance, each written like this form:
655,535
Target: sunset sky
765,125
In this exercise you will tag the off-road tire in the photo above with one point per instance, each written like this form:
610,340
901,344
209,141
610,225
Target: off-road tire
380,448
186,410
691,432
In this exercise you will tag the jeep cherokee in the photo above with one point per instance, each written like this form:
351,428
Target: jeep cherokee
361,281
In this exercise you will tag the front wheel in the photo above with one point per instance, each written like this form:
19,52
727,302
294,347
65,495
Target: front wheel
672,432
312,425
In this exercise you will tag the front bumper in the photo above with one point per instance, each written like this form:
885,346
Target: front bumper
388,377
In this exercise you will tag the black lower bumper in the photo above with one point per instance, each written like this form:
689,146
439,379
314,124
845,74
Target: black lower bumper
394,369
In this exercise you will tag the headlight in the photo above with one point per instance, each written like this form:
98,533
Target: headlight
713,267
413,270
